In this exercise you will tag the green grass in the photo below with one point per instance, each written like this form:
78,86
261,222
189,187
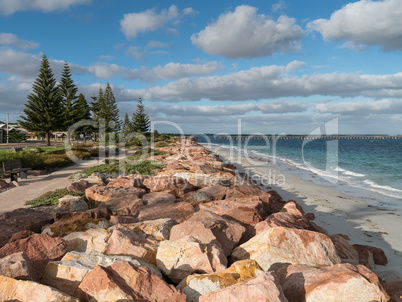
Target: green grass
46,158
52,198
145,167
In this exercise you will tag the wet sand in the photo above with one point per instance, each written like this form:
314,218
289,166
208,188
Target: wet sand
336,212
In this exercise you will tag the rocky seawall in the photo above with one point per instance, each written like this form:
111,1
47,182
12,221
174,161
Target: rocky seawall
195,231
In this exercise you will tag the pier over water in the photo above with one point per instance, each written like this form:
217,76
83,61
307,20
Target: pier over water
302,137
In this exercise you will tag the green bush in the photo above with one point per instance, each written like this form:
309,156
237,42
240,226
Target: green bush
28,159
141,167
145,167
52,198
33,160
56,161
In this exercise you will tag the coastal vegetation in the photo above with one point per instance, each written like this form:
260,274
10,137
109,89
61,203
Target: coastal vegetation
48,158
52,198
52,107
44,108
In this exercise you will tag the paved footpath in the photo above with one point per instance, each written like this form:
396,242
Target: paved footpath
35,186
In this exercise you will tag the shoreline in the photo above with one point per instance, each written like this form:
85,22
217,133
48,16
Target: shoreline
335,211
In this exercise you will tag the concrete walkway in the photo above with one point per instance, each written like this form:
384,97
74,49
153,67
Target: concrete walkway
35,186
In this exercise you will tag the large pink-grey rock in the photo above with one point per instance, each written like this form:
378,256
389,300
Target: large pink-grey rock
344,249
179,259
92,240
20,235
174,185
64,227
158,229
179,212
279,246
286,219
124,281
197,285
91,214
273,202
4,184
209,227
17,266
122,219
341,282
248,211
18,290
72,203
130,181
67,274
158,197
126,242
126,199
262,288
294,208
195,198
79,186
378,254
245,191
216,192
40,249
366,258
21,220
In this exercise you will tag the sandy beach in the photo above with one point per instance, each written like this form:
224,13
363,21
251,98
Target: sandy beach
336,212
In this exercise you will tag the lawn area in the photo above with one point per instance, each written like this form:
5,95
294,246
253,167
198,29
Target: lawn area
48,149
52,198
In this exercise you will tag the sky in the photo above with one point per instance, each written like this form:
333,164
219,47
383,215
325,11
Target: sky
281,66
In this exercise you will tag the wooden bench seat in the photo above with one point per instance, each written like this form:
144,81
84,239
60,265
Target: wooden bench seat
15,168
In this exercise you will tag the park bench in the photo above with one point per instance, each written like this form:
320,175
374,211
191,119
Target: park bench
15,168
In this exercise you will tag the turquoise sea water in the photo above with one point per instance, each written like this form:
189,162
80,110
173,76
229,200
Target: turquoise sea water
365,168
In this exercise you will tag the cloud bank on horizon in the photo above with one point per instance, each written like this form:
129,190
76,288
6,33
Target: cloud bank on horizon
289,67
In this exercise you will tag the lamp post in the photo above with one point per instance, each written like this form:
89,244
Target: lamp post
7,128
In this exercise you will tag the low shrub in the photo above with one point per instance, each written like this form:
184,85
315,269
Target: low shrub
33,160
52,160
145,167
52,198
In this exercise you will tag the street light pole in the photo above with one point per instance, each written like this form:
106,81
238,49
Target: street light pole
7,128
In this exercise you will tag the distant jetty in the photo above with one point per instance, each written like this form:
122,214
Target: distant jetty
302,137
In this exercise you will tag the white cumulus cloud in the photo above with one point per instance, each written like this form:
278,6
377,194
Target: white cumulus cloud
266,108
362,108
268,82
9,39
246,34
364,23
172,70
104,70
150,20
8,7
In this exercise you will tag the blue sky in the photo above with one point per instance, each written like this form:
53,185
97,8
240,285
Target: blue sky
278,66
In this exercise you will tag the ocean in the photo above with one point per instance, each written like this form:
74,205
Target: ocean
365,168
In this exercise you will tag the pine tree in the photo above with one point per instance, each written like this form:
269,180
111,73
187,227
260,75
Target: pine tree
127,127
104,106
109,110
141,122
96,105
83,112
68,91
43,112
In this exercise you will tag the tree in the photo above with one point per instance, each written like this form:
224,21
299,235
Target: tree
104,106
43,112
68,93
96,105
109,110
141,121
83,112
127,127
